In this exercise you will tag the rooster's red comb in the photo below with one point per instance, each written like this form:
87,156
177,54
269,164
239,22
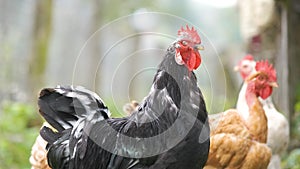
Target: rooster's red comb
189,34
265,67
248,57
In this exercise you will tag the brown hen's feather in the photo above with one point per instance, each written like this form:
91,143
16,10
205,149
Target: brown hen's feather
257,122
129,108
234,152
230,121
238,143
38,158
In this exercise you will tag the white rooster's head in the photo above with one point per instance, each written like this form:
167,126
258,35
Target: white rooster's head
246,66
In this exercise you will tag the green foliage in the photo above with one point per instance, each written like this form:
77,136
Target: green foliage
293,160
296,117
115,110
17,135
295,130
297,105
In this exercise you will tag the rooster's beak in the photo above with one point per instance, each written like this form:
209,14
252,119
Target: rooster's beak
252,76
236,68
199,47
273,84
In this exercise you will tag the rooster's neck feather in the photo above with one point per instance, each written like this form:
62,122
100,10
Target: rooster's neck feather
177,79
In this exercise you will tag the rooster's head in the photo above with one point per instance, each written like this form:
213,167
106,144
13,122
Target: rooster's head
187,47
246,66
263,80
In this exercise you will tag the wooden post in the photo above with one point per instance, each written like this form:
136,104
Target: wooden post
293,33
293,16
281,95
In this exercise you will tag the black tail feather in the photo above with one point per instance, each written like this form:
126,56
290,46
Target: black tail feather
62,106
57,109
68,110
49,135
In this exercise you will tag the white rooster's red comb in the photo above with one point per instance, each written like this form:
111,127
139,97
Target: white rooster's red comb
189,34
248,57
265,67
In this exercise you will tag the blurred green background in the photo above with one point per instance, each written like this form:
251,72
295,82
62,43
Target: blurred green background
113,48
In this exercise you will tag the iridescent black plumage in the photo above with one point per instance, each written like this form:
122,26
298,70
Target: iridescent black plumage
169,129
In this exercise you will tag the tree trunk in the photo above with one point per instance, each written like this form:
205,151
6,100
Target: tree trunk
16,41
71,55
42,30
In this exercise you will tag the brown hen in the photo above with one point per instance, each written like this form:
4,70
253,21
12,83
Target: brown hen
38,158
237,142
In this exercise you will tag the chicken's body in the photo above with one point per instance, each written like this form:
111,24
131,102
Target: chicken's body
237,142
129,108
233,152
278,132
278,126
168,131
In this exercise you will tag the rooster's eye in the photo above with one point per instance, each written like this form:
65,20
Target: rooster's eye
261,78
245,66
184,43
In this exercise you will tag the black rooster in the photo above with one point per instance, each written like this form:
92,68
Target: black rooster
168,131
